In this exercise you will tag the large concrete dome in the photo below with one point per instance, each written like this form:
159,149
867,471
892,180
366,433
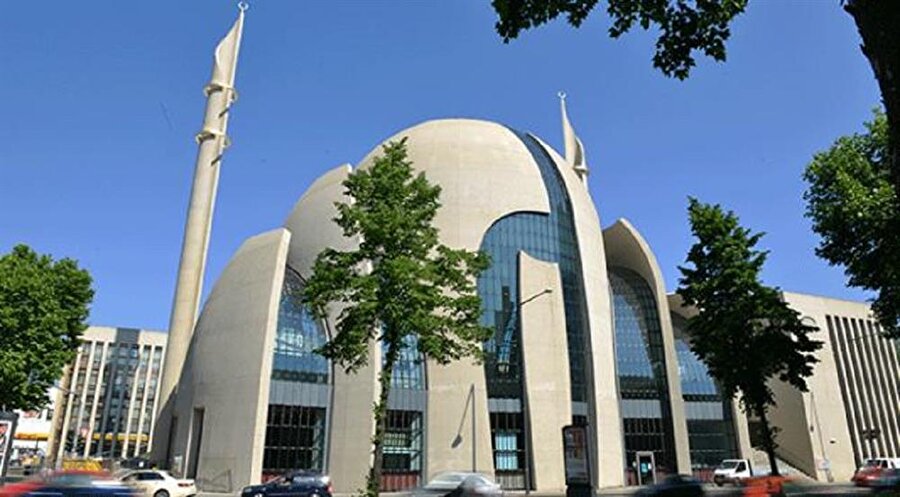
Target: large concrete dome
484,169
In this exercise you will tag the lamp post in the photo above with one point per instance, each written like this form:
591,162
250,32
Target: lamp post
526,418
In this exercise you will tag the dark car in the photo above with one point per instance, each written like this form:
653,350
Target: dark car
293,484
69,484
674,486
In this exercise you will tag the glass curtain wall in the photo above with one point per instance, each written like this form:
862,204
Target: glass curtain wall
643,387
296,418
710,417
550,238
404,437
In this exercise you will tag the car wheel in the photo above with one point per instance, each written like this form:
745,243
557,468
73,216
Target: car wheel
161,493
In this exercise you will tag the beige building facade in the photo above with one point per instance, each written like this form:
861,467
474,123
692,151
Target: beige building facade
585,335
107,402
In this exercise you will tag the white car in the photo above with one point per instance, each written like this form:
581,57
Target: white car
155,483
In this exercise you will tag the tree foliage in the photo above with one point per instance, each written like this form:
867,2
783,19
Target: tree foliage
400,282
684,27
43,308
854,207
877,22
743,331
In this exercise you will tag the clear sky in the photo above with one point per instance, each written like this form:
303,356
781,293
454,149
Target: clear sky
99,103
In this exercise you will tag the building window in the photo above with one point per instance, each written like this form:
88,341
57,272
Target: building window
643,387
710,423
409,370
298,336
508,443
295,439
402,451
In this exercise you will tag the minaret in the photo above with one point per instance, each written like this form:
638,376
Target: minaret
574,149
211,141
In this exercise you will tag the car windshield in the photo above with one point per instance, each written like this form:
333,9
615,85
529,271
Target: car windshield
728,465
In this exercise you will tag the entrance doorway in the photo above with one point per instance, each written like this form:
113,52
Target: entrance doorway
196,438
646,468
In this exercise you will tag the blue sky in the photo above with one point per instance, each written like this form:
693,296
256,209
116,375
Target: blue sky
99,106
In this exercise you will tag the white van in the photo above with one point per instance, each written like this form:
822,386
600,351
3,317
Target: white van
732,471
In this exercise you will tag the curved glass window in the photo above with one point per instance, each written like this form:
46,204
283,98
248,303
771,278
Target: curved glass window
548,237
296,423
710,419
409,370
643,387
298,336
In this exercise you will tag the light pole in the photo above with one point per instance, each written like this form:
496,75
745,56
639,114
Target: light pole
526,418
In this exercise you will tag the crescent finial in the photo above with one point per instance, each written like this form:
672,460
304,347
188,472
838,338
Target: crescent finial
561,95
243,6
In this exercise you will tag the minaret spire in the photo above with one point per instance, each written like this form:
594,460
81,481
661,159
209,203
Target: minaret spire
211,141
574,148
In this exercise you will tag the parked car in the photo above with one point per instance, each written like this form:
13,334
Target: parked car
871,471
293,484
674,486
460,484
156,483
732,471
888,481
69,483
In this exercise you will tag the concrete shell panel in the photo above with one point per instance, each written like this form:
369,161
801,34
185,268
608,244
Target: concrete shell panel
546,369
228,368
310,221
484,170
625,247
608,467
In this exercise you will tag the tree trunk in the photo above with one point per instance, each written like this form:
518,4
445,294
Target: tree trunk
373,482
768,437
878,22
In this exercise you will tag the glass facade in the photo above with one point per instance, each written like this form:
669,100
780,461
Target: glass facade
297,338
404,436
295,439
710,417
297,418
409,370
550,238
403,444
643,387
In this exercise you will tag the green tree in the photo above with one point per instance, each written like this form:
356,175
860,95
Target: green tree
743,331
683,26
43,308
855,209
877,22
400,282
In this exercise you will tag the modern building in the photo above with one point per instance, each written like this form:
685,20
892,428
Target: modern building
585,334
852,410
107,401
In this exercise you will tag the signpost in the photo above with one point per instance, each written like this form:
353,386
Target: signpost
577,461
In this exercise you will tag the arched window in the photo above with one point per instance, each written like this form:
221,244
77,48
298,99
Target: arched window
643,386
299,391
710,419
297,337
